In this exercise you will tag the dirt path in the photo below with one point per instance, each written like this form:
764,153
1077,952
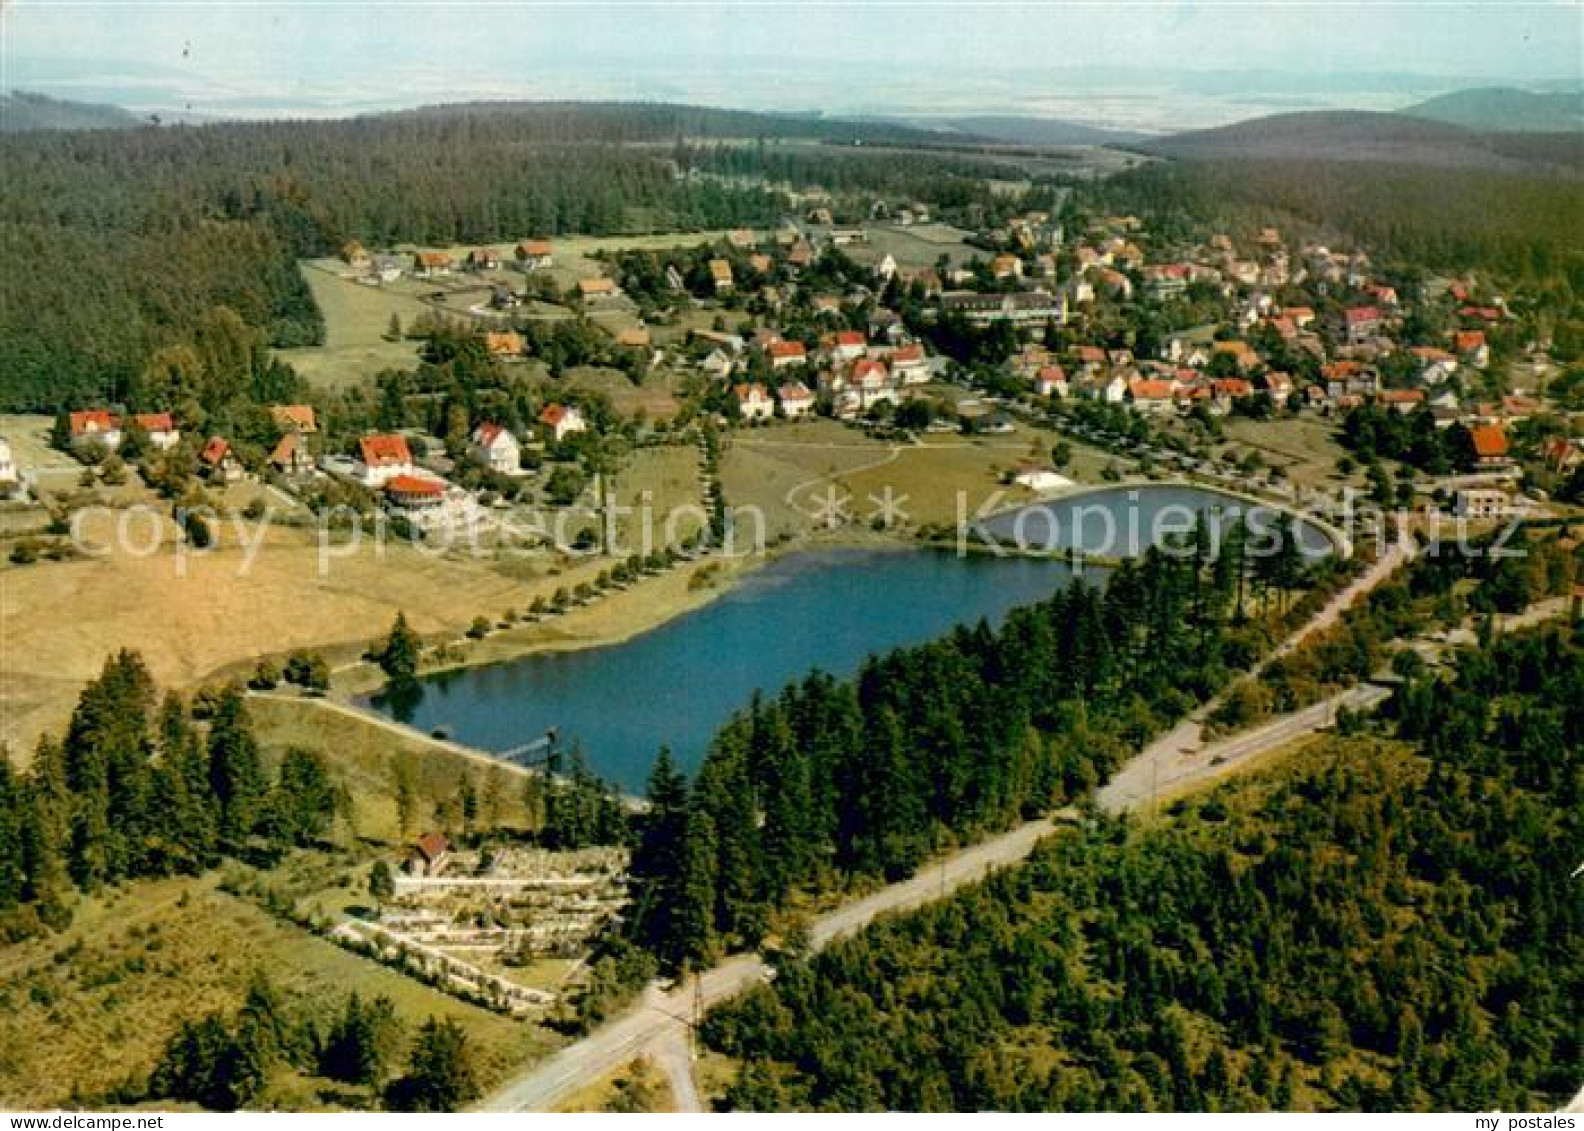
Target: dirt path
390,726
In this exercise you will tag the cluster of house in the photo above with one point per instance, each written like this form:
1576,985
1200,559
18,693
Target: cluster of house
1217,364
385,463
385,267
216,460
845,367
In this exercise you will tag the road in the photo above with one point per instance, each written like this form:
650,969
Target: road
1182,765
660,1019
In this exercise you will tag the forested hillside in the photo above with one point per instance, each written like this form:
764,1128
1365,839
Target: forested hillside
1383,923
22,110
833,781
1357,136
1505,108
117,242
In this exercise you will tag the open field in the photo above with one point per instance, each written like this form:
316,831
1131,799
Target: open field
356,318
193,616
365,756
1305,447
83,1010
656,398
28,436
914,247
784,470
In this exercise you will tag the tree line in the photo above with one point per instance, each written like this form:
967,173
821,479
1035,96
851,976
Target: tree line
1380,924
225,1062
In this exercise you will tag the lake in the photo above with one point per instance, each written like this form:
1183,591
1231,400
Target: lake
676,684
830,608
1121,522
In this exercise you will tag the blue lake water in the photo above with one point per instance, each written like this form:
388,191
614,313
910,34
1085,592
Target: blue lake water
676,685
1121,522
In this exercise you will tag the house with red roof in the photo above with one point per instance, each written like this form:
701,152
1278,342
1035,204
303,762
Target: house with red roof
414,492
1151,396
218,463
847,345
532,255
1363,322
721,275
796,399
562,420
1401,400
483,259
496,448
1050,381
381,459
783,354
594,290
429,855
1470,345
1491,448
160,429
291,455
754,401
295,418
429,264
909,366
96,424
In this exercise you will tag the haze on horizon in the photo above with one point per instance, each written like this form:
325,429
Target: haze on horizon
1149,65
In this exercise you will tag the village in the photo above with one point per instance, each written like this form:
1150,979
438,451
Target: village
1017,324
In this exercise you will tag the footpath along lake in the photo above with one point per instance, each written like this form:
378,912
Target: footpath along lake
676,684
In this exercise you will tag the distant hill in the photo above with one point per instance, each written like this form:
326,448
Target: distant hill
1505,109
21,111
1042,131
1395,139
664,122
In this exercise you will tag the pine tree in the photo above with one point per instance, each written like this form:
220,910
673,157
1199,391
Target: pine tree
361,1043
398,659
236,776
440,1074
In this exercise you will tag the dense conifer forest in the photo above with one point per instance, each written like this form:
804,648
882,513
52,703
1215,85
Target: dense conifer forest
1383,923
836,780
118,242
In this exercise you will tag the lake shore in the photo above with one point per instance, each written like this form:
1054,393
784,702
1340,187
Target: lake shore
614,617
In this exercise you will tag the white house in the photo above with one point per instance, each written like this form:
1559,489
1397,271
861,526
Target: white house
849,345
497,449
96,424
1050,381
160,428
561,421
754,402
1041,479
909,366
718,364
8,468
796,399
381,459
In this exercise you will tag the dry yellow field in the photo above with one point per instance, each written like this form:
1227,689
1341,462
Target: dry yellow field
196,616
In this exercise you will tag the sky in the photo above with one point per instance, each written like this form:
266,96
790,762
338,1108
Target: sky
1120,62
